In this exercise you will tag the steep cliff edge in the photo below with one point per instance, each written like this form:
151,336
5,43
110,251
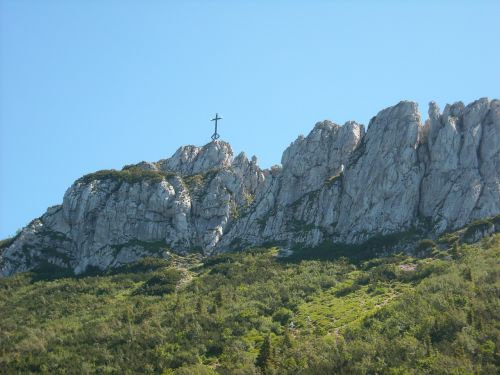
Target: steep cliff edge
340,184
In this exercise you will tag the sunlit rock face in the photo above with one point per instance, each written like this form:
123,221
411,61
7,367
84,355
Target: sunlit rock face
299,202
339,183
461,181
381,186
185,203
190,160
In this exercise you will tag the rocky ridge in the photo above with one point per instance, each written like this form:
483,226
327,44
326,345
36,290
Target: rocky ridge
340,184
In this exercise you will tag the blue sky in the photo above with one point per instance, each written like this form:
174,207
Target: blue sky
88,85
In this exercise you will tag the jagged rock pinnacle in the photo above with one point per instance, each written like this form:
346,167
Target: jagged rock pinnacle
339,183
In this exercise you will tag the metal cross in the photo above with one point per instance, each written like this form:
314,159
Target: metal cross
216,135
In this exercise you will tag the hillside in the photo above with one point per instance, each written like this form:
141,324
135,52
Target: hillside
253,312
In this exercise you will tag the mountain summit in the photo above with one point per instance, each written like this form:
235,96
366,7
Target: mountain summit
340,184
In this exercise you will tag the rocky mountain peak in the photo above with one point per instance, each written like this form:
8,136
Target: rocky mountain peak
338,183
189,160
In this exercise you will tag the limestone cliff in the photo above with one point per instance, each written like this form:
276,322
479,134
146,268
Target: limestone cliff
340,183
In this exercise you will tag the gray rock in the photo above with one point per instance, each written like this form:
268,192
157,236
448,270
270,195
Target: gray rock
298,203
107,221
461,181
190,160
337,184
381,184
310,161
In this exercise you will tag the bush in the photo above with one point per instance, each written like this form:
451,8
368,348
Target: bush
384,272
477,226
148,264
348,289
425,246
198,369
48,271
161,283
129,175
6,242
282,315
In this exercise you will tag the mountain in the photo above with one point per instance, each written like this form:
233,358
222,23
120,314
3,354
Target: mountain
340,184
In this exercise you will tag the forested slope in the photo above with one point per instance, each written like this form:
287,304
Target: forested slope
253,312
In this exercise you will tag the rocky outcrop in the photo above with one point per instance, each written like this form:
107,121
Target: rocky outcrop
461,181
111,218
299,202
310,161
339,183
381,184
191,160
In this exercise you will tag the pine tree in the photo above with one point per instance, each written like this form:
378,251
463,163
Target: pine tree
265,358
287,338
200,307
219,300
455,250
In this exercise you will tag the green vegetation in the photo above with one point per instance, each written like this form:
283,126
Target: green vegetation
478,225
161,283
426,245
253,313
249,198
357,253
198,183
6,242
234,210
130,174
156,247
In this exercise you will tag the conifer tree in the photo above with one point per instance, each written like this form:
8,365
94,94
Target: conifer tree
265,358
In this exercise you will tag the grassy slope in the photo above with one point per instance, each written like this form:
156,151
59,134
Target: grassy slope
389,315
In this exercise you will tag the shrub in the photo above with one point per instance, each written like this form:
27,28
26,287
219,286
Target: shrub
449,238
384,272
478,225
129,175
198,369
426,245
148,264
282,315
161,283
48,271
6,242
348,289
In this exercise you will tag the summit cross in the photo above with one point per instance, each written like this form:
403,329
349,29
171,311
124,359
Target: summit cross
216,135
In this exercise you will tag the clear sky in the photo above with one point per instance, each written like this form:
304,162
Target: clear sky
95,84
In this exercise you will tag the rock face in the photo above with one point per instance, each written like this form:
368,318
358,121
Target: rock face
111,218
381,185
339,184
299,203
462,172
